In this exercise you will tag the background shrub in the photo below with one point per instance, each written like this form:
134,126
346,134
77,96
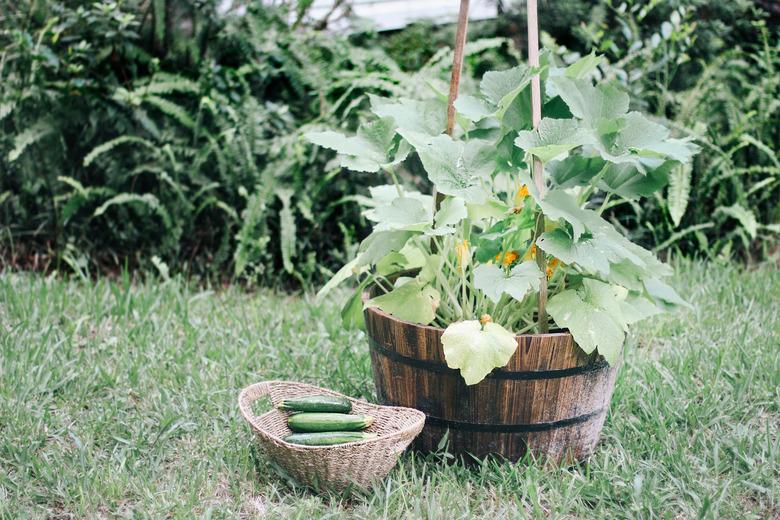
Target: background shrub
167,133
711,69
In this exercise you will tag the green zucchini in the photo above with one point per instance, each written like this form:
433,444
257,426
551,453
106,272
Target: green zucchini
328,422
327,438
317,403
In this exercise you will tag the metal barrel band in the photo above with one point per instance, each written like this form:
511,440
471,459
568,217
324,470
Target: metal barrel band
510,428
434,366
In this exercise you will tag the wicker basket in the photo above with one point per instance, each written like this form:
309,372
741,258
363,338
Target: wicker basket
332,467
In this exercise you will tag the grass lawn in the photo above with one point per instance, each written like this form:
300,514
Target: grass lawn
119,399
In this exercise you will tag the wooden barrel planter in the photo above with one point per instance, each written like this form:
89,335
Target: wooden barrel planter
551,398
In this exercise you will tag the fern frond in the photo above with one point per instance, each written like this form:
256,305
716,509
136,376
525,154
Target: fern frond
747,138
73,183
6,108
679,192
171,109
147,199
443,57
113,143
176,84
287,229
28,137
745,217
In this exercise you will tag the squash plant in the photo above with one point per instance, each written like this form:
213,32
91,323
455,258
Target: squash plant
469,263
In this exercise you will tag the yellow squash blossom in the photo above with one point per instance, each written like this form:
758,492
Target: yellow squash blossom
531,253
521,194
508,258
462,253
551,266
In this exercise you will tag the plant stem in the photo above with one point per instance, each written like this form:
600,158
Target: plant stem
604,204
394,178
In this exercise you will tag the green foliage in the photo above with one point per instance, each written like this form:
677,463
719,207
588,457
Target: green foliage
711,70
180,129
483,267
205,113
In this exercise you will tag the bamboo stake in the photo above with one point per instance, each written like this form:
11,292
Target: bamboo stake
457,68
537,169
457,63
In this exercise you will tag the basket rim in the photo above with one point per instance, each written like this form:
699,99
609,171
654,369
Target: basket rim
245,401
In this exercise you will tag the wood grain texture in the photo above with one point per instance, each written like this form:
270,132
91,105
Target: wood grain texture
551,398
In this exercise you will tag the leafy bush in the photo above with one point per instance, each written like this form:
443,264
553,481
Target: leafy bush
167,130
486,257
710,69
108,156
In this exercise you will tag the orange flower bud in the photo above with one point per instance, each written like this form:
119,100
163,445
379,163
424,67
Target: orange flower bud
508,258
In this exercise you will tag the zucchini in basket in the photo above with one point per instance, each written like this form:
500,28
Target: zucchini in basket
327,438
328,422
317,403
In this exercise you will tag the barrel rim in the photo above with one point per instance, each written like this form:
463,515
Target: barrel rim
386,315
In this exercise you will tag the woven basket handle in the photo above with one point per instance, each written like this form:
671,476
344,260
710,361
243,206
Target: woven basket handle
251,394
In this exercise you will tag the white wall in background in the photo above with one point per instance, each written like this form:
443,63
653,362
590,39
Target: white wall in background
395,14
387,15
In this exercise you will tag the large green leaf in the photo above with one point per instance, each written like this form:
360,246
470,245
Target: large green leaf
583,67
477,350
589,102
632,137
385,194
664,294
412,301
367,151
517,282
451,212
426,117
585,252
346,271
557,204
474,108
455,167
378,244
635,307
500,97
502,87
598,246
582,312
553,138
629,182
376,247
574,170
490,210
402,213
352,312
392,262
620,249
